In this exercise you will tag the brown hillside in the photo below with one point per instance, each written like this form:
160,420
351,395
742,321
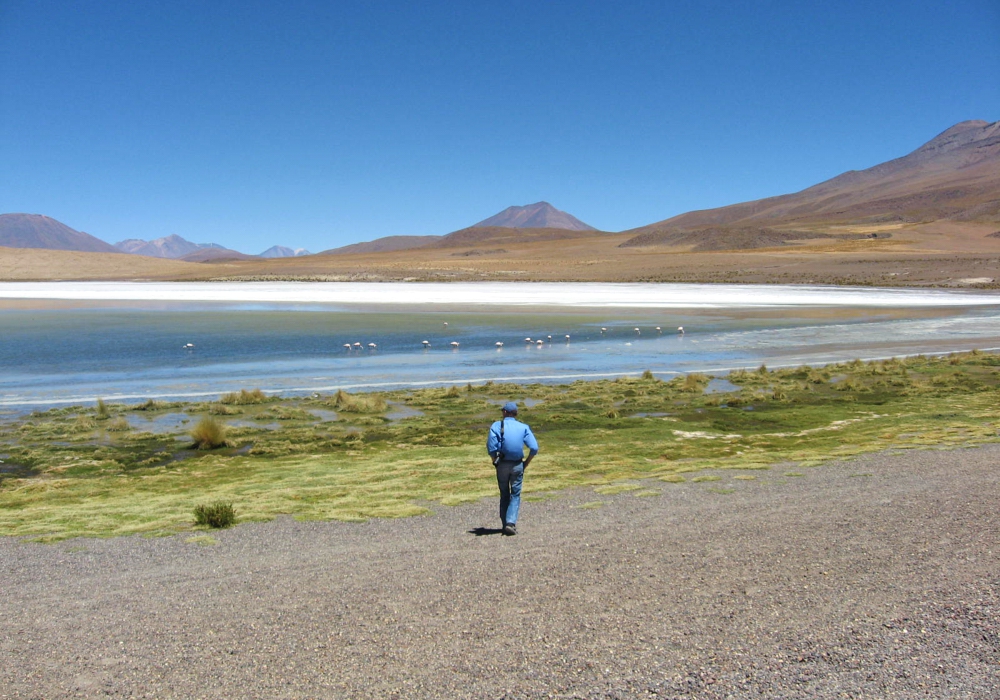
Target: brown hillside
718,238
384,245
36,264
955,176
476,235
37,231
203,255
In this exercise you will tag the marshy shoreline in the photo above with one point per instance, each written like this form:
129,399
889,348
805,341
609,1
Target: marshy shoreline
819,532
877,576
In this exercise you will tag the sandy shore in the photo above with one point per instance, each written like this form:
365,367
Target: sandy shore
569,294
877,578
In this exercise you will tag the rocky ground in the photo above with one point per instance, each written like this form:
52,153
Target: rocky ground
876,578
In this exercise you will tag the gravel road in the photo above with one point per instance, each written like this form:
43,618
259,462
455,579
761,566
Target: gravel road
875,578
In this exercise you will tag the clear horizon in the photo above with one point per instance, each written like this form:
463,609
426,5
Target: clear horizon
311,125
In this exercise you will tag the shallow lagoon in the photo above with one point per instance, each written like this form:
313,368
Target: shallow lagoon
69,343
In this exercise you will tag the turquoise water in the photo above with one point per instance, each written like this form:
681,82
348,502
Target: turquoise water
58,355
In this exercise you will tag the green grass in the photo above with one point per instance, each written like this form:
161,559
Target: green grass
73,475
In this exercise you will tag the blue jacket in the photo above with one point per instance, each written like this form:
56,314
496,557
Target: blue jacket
515,436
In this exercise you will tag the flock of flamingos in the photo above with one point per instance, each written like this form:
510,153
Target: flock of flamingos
350,347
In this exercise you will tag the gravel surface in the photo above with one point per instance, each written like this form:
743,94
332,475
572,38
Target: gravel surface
875,578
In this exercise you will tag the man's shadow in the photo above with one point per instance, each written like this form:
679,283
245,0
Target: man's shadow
480,531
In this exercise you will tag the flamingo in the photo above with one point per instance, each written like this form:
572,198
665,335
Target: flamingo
527,340
539,342
637,331
567,338
446,323
347,346
188,346
425,343
659,330
499,345
603,331
680,329
454,344
357,345
372,346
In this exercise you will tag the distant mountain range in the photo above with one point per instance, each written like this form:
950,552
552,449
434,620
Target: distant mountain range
280,251
954,176
37,231
172,246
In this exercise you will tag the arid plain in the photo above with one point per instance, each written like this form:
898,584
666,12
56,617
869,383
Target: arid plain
941,253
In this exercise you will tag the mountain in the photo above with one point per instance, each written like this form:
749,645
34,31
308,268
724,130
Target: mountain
386,244
954,176
172,246
280,251
538,215
37,231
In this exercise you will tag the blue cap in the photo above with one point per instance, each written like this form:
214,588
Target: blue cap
510,407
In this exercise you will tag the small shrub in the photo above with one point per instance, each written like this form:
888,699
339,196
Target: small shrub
612,413
147,405
209,434
103,412
762,370
219,409
84,423
373,403
215,515
648,374
118,425
738,376
244,397
453,392
694,383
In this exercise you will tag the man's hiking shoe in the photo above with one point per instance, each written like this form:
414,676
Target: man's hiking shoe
510,529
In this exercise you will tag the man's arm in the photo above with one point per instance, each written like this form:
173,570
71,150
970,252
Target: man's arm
492,443
532,445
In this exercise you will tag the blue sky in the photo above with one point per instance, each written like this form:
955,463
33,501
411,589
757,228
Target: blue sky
317,124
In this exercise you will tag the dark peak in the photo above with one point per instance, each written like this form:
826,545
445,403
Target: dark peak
537,215
39,231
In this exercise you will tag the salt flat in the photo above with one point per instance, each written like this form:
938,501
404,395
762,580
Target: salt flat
580,294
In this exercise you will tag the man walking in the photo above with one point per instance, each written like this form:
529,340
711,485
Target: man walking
506,442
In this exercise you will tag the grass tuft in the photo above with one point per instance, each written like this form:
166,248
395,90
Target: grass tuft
102,412
209,434
217,515
371,403
118,425
244,397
